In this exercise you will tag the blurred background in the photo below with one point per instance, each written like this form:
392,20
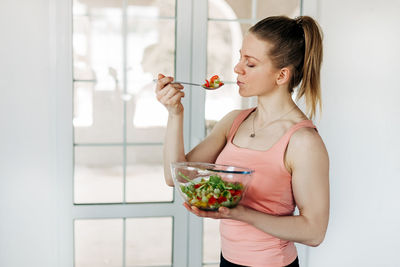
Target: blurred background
81,176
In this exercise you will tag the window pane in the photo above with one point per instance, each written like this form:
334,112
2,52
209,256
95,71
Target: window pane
83,106
149,242
81,47
98,115
164,8
151,50
98,42
290,8
224,43
98,174
98,104
229,9
146,118
211,241
145,175
98,243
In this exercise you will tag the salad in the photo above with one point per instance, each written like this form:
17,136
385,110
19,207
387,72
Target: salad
210,193
214,82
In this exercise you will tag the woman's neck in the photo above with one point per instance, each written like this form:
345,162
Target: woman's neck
270,107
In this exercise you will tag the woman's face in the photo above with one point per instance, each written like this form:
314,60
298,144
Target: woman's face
256,73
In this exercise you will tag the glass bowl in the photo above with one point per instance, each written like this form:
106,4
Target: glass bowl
209,186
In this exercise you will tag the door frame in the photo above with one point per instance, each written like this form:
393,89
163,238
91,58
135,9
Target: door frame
187,239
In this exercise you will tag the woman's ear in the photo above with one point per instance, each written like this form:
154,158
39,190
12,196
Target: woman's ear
283,76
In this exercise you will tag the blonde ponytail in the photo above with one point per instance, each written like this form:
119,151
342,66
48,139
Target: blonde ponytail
310,85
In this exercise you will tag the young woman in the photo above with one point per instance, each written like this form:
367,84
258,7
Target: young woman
276,139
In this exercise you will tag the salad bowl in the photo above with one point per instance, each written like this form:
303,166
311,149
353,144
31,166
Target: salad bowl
210,186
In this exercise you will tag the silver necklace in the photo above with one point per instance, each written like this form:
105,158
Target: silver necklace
253,134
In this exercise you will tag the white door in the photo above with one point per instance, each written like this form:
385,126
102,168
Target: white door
123,214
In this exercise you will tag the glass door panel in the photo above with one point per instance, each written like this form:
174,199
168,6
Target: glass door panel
211,241
149,242
119,47
151,50
145,175
98,73
229,9
164,8
290,8
98,242
98,174
98,115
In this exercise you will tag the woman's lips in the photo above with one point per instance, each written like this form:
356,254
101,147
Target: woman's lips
239,83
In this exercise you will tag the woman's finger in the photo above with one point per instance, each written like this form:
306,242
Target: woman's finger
167,90
208,214
162,93
160,76
175,99
161,83
166,94
172,90
186,205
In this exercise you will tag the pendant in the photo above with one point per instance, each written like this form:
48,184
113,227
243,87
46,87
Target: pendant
252,135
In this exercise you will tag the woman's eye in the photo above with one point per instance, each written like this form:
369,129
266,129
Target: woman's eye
250,66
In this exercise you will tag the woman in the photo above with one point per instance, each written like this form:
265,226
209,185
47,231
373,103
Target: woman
276,139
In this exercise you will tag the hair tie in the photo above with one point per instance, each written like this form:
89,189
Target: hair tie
299,21
299,24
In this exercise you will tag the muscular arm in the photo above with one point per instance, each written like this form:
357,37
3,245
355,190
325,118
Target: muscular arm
308,159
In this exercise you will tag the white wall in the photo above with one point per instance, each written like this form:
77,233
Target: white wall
27,162
361,126
31,214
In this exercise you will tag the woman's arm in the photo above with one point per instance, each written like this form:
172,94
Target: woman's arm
309,162
207,151
170,96
173,149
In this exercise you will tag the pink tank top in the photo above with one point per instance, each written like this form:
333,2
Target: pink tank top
270,191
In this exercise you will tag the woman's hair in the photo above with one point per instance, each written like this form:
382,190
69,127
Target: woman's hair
296,43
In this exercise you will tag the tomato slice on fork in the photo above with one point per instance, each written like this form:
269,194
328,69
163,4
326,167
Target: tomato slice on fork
213,78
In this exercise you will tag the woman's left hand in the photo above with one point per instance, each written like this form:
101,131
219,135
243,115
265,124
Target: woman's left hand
221,213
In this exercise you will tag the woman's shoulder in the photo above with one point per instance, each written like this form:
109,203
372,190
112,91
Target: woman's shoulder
305,144
305,134
304,140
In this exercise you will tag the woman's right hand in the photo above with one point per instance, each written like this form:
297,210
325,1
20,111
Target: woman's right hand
170,94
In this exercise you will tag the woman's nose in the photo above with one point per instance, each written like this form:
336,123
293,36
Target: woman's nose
238,68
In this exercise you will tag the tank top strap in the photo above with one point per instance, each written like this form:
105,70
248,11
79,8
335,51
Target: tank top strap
238,120
283,143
